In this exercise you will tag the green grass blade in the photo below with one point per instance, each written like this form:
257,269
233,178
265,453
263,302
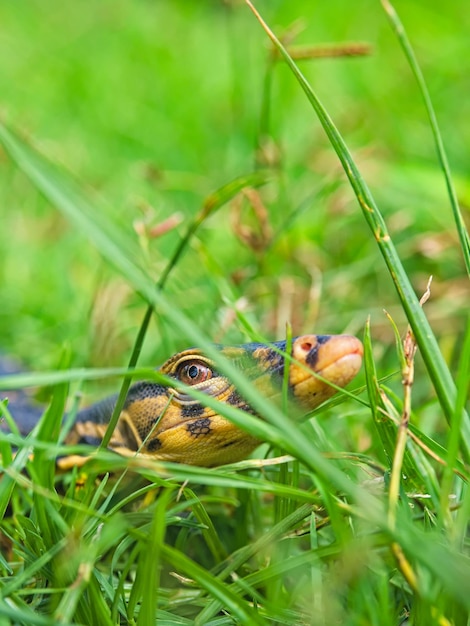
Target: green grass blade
42,379
385,429
400,32
20,613
149,567
427,343
208,529
239,608
22,578
463,384
8,483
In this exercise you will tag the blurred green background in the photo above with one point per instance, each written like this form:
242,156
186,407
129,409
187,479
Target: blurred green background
151,106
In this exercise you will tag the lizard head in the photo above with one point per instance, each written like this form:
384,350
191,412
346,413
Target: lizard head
167,423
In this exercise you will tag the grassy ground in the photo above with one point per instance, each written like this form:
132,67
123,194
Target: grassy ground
149,111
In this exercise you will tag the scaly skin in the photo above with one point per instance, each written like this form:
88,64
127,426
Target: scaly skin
165,423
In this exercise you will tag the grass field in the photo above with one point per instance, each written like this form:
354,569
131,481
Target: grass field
127,126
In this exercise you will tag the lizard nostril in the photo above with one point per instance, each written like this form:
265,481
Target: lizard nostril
307,346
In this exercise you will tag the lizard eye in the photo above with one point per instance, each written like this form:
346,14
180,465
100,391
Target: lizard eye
194,372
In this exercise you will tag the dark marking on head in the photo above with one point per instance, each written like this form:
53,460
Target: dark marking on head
199,427
154,444
143,390
312,350
312,357
270,362
235,399
192,410
145,403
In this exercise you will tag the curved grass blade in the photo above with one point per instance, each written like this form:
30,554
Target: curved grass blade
146,584
108,239
435,363
463,384
400,32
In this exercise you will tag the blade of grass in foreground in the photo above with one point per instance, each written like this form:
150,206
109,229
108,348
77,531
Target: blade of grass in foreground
435,363
441,153
147,580
116,247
